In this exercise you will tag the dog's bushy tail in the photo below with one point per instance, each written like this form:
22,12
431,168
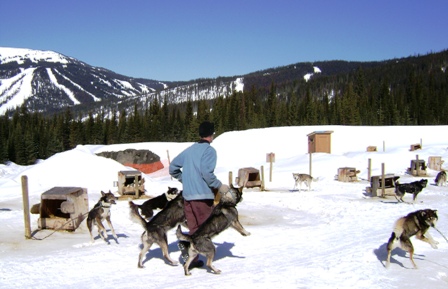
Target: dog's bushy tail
135,215
399,227
182,236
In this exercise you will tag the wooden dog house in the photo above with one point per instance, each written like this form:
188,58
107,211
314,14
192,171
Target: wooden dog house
372,149
131,183
417,168
415,147
319,141
249,178
347,174
376,185
435,163
63,208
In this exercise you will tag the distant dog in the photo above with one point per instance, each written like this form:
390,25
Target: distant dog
100,212
159,202
441,179
302,178
223,216
158,226
413,188
416,223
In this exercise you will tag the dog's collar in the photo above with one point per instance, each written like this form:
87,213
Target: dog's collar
102,205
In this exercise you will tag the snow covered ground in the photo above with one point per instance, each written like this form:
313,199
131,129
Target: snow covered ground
333,236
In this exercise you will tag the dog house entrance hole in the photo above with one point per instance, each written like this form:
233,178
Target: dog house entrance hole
52,209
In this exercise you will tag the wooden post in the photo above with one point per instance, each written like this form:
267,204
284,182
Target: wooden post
421,143
230,178
169,161
137,187
262,178
384,146
311,164
417,166
383,181
26,207
369,169
270,158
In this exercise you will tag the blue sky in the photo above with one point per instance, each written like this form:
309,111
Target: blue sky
189,39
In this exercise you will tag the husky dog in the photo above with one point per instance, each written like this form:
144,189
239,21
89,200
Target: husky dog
223,216
413,188
100,212
416,223
441,179
158,226
302,178
159,202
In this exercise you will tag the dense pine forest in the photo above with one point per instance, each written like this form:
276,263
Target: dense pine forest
413,91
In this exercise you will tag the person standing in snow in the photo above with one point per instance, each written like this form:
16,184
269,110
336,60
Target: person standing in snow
194,168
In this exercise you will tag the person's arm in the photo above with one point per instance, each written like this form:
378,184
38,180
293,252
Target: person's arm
175,167
208,168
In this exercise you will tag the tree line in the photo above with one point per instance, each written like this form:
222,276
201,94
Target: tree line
418,95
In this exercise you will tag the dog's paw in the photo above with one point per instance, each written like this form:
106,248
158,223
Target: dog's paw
216,271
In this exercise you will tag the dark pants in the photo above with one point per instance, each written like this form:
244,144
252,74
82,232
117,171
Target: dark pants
196,212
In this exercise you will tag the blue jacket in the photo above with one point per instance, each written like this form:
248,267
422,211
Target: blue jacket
194,168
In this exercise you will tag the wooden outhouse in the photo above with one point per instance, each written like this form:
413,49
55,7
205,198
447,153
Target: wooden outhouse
319,141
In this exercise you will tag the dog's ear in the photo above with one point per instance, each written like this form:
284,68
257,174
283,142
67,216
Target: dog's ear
102,193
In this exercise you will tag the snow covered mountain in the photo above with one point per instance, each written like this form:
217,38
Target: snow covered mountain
47,81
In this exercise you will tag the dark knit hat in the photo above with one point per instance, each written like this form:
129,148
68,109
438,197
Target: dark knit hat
206,129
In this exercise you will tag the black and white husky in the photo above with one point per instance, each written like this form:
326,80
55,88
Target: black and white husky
100,212
302,178
159,202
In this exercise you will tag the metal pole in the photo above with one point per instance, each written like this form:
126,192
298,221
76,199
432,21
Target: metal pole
26,207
